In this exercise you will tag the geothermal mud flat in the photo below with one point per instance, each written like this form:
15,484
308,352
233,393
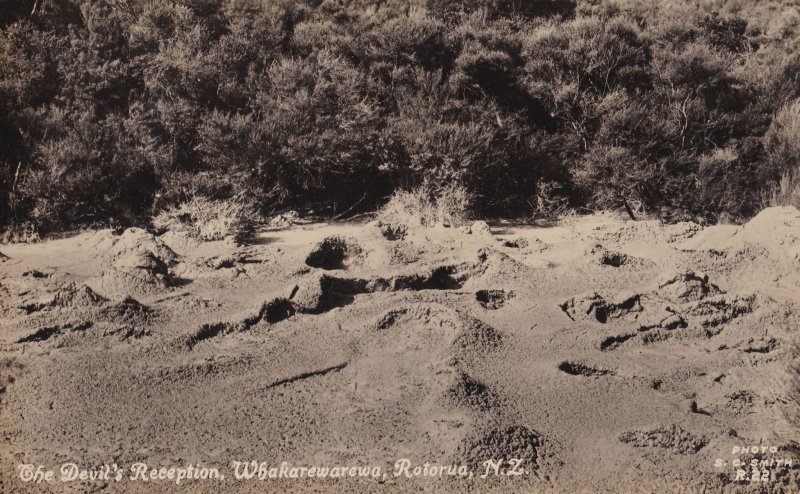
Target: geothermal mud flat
596,355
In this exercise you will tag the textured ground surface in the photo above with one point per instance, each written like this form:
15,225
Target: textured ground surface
608,356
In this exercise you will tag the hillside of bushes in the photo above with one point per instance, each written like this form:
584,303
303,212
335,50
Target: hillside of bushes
111,111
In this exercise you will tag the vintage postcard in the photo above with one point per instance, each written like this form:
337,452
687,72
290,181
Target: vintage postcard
399,246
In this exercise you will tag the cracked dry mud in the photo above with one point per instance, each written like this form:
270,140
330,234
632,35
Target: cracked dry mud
606,355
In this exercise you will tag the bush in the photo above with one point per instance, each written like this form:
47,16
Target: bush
782,144
531,105
208,220
424,207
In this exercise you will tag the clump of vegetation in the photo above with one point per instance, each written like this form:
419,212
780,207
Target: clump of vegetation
23,234
207,220
680,110
427,207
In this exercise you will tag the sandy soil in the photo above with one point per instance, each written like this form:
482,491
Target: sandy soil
606,355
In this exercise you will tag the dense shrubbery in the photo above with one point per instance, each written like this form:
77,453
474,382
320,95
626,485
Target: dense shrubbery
111,111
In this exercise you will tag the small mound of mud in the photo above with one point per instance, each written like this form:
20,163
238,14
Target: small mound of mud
513,442
392,231
673,438
74,295
129,310
468,392
334,252
578,369
143,257
651,231
468,336
493,299
495,264
477,336
318,294
686,287
593,306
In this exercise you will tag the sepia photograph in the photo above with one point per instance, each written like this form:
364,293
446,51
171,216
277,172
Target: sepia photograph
399,246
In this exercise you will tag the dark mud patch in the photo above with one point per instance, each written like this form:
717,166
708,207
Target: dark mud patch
439,278
32,307
612,258
306,375
612,342
761,346
333,252
48,332
493,299
35,273
320,294
656,336
578,369
672,438
277,309
516,243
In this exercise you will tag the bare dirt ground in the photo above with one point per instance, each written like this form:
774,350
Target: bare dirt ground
607,355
